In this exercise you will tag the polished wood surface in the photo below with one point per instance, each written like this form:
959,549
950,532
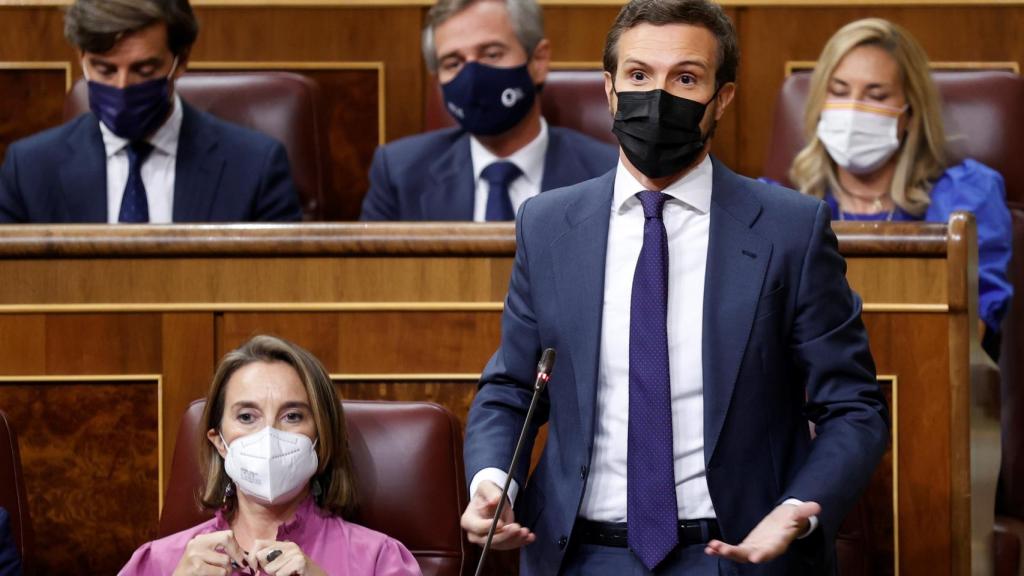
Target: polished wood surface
413,312
385,36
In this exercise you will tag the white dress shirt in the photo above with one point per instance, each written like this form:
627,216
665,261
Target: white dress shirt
529,159
687,218
157,170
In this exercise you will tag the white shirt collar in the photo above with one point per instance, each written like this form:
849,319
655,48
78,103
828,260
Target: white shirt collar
529,159
694,189
165,139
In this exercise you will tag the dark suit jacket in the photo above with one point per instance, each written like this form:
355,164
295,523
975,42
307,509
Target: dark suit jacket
10,562
223,173
780,325
430,176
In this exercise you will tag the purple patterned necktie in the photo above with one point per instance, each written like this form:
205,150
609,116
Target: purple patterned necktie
651,510
134,205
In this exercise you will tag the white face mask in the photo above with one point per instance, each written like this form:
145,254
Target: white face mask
859,136
271,465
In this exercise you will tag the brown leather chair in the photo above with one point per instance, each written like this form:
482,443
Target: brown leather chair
570,99
283,105
984,117
12,492
409,472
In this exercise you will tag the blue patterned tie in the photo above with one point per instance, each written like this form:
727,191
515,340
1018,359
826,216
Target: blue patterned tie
651,509
498,176
134,206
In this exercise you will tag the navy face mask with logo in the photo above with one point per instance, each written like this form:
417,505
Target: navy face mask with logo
659,132
135,111
487,100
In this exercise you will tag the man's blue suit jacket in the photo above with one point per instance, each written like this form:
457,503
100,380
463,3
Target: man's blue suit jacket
429,176
223,173
10,561
780,325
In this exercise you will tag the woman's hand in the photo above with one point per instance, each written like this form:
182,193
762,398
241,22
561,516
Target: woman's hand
282,559
213,554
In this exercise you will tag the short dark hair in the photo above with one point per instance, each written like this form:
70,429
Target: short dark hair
96,25
704,13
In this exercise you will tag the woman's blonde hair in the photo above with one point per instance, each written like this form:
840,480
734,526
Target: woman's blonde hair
337,492
922,156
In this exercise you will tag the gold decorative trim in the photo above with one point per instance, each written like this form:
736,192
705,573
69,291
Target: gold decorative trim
414,377
909,307
158,379
252,307
286,66
894,416
131,308
578,65
52,65
1008,66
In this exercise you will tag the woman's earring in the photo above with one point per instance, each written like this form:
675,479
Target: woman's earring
229,491
315,489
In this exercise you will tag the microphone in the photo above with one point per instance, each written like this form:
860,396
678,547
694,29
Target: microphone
547,362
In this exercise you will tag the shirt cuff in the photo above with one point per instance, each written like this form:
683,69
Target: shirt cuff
498,476
813,520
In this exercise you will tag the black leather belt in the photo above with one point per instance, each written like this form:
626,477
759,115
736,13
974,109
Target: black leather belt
614,534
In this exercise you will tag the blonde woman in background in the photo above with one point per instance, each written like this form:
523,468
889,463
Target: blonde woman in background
877,151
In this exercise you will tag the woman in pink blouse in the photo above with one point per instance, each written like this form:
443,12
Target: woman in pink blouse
277,471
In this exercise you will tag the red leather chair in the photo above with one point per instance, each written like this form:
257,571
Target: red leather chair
570,99
984,117
409,473
283,105
12,492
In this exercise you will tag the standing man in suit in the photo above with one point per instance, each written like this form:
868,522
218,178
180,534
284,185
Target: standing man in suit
701,319
491,58
143,154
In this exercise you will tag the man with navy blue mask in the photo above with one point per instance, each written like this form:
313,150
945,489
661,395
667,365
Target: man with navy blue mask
490,57
142,154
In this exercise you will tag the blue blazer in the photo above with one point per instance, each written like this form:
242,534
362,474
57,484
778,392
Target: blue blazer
780,325
430,176
10,561
223,173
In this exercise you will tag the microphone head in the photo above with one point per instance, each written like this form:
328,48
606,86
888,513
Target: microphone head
547,361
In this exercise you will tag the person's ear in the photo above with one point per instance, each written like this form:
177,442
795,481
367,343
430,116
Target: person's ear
609,92
540,62
218,444
724,98
182,66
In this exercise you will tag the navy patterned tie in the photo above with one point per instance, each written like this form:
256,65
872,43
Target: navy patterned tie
651,509
498,176
134,206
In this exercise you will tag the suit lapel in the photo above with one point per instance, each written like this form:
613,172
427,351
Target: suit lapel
198,168
579,264
452,192
562,167
736,265
83,173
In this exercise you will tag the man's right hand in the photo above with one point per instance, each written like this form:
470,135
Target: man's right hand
477,518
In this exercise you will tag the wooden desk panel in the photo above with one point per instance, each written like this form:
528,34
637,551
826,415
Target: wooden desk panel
413,312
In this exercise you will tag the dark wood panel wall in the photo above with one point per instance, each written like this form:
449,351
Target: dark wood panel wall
331,38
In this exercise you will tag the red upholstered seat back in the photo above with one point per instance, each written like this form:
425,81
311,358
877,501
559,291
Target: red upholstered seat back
408,462
570,99
282,105
12,492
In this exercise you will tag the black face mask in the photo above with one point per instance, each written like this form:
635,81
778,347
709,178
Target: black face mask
660,133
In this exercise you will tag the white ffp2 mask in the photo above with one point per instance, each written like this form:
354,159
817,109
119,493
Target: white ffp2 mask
271,465
859,136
